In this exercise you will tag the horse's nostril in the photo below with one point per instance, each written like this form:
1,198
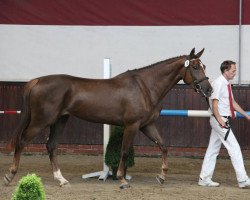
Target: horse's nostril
209,91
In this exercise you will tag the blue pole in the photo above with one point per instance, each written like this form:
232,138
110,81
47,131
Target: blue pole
192,113
183,113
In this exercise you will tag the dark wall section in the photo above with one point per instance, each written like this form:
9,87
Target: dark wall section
176,131
124,13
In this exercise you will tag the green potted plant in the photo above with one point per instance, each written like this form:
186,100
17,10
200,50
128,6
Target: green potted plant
29,187
113,151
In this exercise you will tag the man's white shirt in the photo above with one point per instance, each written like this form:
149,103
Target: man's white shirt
220,92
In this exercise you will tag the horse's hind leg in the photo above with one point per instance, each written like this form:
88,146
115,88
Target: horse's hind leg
152,133
55,130
27,136
14,167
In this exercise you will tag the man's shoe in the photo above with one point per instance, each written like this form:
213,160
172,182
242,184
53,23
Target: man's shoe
244,184
207,183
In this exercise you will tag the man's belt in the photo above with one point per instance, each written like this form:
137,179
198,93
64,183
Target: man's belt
227,126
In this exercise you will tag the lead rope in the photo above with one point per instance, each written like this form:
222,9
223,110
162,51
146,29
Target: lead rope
227,124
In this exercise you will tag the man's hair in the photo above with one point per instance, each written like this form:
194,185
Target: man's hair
226,65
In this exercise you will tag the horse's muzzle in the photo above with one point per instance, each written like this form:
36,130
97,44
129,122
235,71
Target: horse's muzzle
203,87
205,92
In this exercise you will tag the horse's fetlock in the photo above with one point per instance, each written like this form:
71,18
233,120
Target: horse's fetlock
165,169
13,171
119,176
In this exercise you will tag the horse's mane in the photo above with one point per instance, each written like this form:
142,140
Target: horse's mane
167,61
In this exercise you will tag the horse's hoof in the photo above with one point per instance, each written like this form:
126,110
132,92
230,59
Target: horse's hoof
160,179
124,186
66,184
6,180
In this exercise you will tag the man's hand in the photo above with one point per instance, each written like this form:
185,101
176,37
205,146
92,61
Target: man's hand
221,122
248,117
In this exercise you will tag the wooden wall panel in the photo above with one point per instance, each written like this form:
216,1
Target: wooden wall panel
175,131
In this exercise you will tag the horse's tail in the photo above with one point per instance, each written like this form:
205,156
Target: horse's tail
25,114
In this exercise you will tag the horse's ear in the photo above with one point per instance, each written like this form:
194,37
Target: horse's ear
192,55
198,55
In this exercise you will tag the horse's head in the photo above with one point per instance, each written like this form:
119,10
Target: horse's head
194,74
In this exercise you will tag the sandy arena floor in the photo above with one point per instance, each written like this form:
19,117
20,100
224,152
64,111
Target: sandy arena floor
181,180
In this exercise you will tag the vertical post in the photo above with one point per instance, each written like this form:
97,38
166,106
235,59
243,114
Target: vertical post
106,127
240,26
106,132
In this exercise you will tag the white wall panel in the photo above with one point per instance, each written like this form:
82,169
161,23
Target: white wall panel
30,51
245,56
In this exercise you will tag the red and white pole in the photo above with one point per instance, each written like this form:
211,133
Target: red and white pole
10,112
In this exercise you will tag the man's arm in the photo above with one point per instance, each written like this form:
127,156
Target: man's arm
216,112
240,110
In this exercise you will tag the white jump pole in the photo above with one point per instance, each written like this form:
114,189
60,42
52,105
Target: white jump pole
106,129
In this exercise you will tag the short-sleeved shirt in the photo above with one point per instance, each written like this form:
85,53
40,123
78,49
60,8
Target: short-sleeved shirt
220,92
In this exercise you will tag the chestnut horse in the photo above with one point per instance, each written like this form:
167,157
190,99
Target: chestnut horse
132,99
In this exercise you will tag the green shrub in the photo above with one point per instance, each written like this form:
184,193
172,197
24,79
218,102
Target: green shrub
29,187
113,150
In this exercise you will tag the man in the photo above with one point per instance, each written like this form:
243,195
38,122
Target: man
222,111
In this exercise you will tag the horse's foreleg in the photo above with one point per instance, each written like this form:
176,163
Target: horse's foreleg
128,136
152,133
55,130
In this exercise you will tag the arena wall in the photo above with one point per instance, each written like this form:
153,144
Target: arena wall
44,37
183,135
73,37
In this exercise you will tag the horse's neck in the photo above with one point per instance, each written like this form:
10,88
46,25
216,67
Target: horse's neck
161,78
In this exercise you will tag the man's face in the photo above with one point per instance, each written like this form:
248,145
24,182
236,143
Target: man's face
230,74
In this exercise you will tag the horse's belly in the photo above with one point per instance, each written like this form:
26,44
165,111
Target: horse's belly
99,115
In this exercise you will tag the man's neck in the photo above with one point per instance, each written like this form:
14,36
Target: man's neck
226,77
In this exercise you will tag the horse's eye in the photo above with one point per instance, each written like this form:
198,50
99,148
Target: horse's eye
195,66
